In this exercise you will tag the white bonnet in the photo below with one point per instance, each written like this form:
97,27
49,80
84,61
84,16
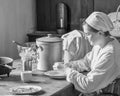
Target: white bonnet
100,21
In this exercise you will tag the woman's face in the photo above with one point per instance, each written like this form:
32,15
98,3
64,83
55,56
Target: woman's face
91,36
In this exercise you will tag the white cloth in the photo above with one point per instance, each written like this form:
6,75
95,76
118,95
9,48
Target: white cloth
100,21
116,22
75,44
103,65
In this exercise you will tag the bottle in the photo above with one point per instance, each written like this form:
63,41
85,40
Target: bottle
61,18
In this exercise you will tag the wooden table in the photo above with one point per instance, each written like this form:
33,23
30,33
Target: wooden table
50,87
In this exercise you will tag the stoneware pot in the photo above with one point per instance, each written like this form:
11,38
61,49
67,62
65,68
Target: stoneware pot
49,51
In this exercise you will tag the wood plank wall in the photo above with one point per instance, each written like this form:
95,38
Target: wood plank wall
106,6
46,13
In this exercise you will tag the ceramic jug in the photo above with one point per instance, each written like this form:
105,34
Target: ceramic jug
49,51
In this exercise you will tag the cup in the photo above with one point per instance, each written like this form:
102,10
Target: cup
58,66
26,76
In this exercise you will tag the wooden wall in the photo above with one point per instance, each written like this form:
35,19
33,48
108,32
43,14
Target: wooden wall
46,13
106,6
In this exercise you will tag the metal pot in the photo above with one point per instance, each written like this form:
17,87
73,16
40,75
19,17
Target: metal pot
49,51
6,64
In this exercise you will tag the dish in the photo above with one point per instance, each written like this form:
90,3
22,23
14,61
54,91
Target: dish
56,74
6,65
22,90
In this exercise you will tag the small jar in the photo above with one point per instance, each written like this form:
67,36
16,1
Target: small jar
27,65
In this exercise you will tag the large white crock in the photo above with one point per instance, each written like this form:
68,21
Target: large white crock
49,51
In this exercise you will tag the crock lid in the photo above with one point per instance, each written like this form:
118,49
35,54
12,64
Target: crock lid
49,38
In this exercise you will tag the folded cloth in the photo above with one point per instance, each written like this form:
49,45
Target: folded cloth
76,44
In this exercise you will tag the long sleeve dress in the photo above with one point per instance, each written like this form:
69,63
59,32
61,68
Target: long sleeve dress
102,65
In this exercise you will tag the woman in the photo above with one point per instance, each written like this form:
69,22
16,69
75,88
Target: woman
99,67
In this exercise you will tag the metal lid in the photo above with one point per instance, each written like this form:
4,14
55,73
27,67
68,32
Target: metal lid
49,38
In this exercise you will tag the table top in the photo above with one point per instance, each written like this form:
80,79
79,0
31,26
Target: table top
50,87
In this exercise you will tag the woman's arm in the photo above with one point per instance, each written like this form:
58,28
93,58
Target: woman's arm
80,65
99,77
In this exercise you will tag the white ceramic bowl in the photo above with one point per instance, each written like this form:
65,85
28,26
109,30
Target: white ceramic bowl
6,60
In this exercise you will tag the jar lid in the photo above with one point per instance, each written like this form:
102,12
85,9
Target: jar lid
49,38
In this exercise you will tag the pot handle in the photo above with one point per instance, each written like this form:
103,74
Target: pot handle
41,48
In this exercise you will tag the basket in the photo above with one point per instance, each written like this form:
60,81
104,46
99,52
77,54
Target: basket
115,18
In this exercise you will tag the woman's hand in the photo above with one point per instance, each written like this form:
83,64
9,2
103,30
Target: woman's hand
58,66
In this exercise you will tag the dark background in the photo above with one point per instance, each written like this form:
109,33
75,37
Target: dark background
77,9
